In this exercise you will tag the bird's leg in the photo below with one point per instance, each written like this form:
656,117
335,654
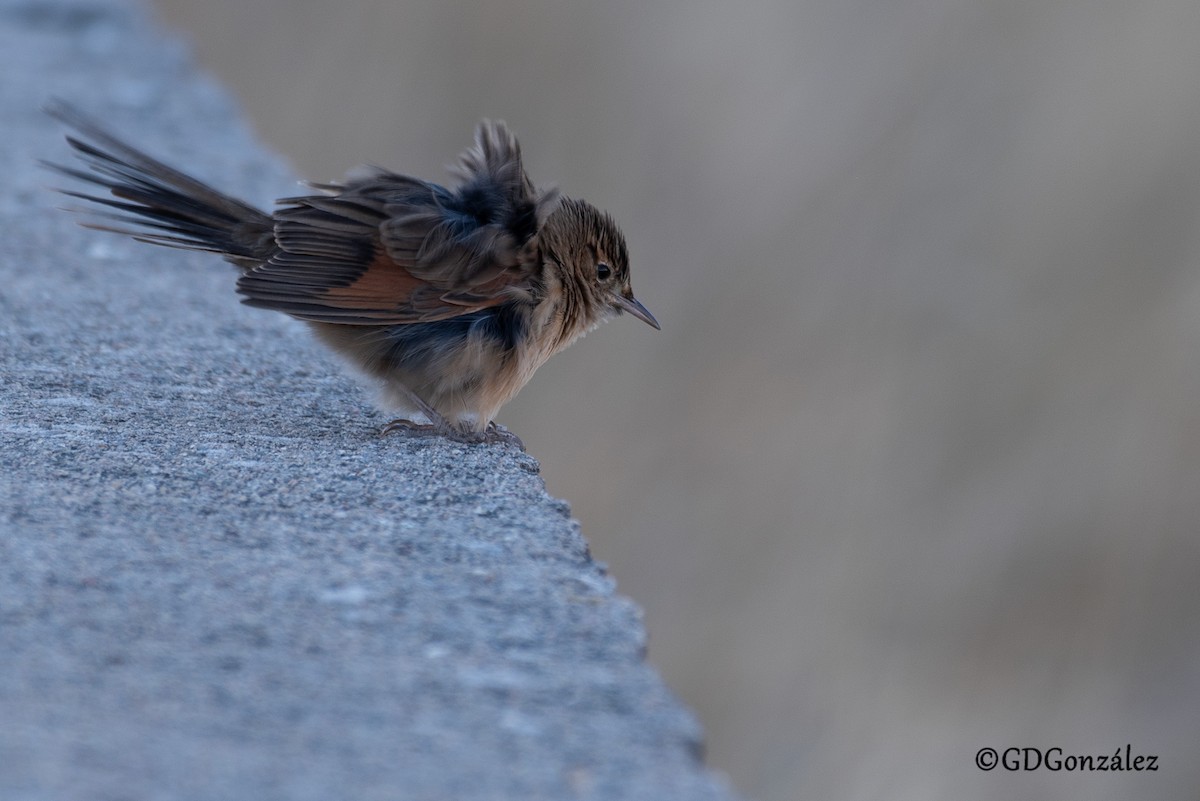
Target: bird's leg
436,425
440,426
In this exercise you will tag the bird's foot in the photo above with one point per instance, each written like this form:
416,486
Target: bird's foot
492,435
410,429
499,434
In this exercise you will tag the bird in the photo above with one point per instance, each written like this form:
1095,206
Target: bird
449,297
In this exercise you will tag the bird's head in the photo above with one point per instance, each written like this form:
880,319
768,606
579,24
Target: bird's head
587,244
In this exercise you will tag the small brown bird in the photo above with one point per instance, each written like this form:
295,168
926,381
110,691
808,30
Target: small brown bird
450,297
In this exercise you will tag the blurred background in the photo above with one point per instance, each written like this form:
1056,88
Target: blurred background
914,466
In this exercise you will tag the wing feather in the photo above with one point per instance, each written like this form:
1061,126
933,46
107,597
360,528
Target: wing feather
392,249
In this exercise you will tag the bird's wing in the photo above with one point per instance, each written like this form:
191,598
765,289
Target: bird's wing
388,249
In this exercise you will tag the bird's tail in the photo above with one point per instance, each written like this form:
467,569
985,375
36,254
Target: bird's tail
154,203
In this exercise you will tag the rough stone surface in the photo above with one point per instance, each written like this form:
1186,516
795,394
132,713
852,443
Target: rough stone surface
216,579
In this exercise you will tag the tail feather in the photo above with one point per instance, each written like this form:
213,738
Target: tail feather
158,204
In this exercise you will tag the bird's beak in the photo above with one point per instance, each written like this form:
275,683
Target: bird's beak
634,307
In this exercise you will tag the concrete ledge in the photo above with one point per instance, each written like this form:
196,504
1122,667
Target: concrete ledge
216,580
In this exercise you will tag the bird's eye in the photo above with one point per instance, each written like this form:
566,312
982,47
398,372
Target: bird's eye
603,271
